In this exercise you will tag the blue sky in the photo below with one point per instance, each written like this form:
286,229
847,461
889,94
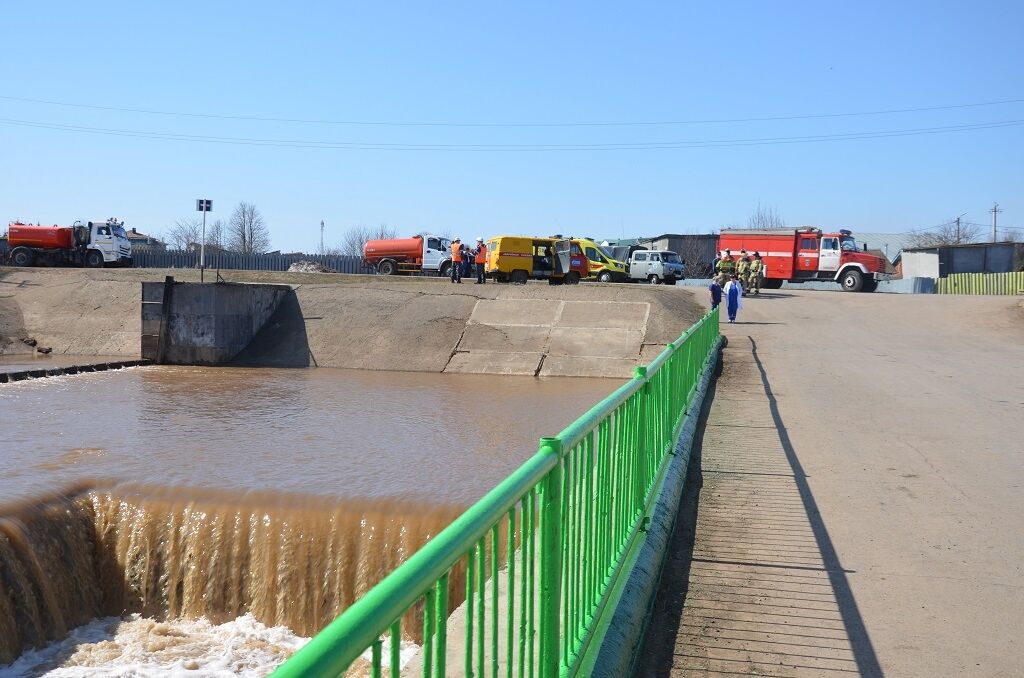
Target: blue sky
513,63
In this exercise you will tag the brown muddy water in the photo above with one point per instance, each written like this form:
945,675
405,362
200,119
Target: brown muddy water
170,518
438,438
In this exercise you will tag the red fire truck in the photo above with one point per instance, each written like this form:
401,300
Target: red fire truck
802,254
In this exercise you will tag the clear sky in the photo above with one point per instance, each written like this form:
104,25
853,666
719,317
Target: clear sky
523,62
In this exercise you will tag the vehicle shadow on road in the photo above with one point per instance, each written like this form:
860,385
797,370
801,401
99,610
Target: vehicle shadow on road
853,623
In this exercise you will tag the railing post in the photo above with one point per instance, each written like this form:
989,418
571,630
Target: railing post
551,561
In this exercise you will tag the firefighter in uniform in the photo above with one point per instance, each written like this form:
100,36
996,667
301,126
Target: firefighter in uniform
480,258
457,261
725,267
743,270
756,273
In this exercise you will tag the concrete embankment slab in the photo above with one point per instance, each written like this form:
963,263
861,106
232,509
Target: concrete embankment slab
371,322
574,338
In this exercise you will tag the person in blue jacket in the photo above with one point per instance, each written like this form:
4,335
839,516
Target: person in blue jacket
733,293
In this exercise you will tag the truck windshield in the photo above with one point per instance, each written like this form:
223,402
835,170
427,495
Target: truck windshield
607,252
849,244
670,257
119,232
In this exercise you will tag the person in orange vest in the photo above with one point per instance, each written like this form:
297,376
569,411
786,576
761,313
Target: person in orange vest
481,260
457,261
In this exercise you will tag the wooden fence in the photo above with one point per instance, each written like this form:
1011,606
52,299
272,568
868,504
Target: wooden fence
982,283
247,262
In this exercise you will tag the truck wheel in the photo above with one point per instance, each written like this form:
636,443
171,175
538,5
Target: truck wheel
654,279
22,256
870,285
572,278
445,271
387,267
771,283
604,276
94,259
519,277
670,281
852,281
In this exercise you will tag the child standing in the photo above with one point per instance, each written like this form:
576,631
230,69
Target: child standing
733,292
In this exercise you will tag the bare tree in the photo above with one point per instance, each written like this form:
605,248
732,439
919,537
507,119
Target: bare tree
215,235
353,240
946,234
247,232
184,234
765,217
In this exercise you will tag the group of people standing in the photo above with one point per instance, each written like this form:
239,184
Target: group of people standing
733,277
749,270
464,258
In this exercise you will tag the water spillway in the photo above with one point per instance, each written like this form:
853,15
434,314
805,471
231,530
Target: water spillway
233,494
167,553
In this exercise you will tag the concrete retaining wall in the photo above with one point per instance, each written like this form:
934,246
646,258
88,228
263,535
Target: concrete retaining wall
204,324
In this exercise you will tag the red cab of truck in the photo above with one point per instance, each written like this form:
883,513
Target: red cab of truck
802,254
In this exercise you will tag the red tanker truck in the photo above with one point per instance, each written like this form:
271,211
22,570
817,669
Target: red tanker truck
802,254
96,244
418,254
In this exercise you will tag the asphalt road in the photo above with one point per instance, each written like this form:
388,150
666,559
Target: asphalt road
861,494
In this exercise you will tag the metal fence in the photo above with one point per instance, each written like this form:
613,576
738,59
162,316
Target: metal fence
528,569
982,283
248,262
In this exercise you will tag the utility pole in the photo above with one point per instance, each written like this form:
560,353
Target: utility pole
321,236
995,211
958,230
203,205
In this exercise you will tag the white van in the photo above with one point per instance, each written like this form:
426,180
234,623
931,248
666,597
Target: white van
656,266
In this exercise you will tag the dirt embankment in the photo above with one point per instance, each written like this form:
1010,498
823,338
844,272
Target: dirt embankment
367,322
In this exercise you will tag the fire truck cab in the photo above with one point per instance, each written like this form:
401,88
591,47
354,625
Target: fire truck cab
802,254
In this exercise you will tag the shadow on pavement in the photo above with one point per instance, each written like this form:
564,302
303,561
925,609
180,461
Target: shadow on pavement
666,616
752,584
856,631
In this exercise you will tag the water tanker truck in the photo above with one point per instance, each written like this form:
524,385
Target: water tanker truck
419,254
96,244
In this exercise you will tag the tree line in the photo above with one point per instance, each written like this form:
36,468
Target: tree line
246,232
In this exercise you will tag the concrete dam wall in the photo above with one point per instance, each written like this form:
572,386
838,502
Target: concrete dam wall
359,322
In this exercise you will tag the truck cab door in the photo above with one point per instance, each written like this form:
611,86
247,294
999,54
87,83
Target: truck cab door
638,266
828,260
103,240
807,255
433,253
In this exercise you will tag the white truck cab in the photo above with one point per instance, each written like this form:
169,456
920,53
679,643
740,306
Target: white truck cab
109,240
656,266
437,252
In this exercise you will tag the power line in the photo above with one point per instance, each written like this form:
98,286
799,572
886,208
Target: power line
382,146
315,121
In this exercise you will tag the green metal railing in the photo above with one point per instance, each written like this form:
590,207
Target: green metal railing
528,568
981,283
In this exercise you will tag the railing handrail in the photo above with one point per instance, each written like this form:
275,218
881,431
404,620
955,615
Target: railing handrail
339,644
358,626
583,425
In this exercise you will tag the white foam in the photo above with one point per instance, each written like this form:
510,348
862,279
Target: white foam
142,647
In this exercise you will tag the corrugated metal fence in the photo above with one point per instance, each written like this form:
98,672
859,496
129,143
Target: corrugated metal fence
247,262
982,283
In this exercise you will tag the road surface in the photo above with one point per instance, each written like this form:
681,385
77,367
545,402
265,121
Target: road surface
861,495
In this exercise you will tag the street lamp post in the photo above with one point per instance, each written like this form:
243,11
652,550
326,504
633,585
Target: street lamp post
203,205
